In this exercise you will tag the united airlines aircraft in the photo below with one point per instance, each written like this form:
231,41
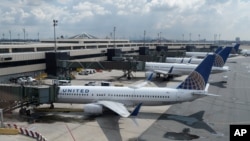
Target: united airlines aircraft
171,69
204,54
117,98
220,58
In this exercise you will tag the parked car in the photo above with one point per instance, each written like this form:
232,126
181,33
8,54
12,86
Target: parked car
64,82
91,83
22,80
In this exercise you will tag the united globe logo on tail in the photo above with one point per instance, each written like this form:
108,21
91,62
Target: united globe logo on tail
195,81
218,62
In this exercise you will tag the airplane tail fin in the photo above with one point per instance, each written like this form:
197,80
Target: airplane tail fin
218,50
221,57
235,48
198,79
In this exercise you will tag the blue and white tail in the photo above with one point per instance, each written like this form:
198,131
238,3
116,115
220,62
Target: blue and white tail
235,48
198,79
218,49
221,57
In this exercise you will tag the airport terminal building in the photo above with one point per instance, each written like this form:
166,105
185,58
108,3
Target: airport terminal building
31,58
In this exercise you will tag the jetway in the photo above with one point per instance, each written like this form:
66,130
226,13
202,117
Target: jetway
19,96
126,66
108,65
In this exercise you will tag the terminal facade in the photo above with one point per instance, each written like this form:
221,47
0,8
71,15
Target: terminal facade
36,58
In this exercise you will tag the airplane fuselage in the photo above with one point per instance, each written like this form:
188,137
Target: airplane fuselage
204,54
179,69
183,60
198,54
148,96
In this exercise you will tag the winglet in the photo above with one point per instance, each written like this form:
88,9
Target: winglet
221,57
198,79
150,76
136,110
170,70
182,60
190,60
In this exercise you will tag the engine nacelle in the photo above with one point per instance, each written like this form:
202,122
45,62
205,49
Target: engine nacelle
93,109
148,73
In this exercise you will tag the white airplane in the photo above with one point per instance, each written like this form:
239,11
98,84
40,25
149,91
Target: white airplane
220,58
175,69
116,98
204,54
171,69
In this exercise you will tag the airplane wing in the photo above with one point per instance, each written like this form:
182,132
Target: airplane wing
205,94
161,72
116,107
165,72
149,78
136,86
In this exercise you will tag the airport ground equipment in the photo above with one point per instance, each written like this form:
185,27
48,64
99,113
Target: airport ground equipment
13,129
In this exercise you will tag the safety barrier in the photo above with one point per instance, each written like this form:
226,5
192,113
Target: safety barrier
27,132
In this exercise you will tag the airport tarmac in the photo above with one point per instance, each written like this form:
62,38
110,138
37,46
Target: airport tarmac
69,123
203,119
185,121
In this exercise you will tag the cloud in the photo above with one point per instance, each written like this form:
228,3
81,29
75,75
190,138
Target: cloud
88,7
173,18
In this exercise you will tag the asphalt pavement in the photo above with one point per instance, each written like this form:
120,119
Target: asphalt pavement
208,118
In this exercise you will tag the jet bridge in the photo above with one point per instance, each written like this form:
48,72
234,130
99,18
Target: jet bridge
21,96
127,66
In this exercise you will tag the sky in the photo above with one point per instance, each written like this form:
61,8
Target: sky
170,19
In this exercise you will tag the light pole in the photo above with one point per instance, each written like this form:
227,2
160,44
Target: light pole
10,35
114,35
55,24
219,39
160,38
144,37
199,39
215,36
183,40
23,34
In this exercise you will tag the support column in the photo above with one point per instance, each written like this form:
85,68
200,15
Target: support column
1,118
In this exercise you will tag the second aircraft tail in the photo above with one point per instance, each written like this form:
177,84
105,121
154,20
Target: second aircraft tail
198,79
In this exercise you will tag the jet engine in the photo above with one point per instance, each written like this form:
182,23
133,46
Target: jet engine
93,109
148,73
